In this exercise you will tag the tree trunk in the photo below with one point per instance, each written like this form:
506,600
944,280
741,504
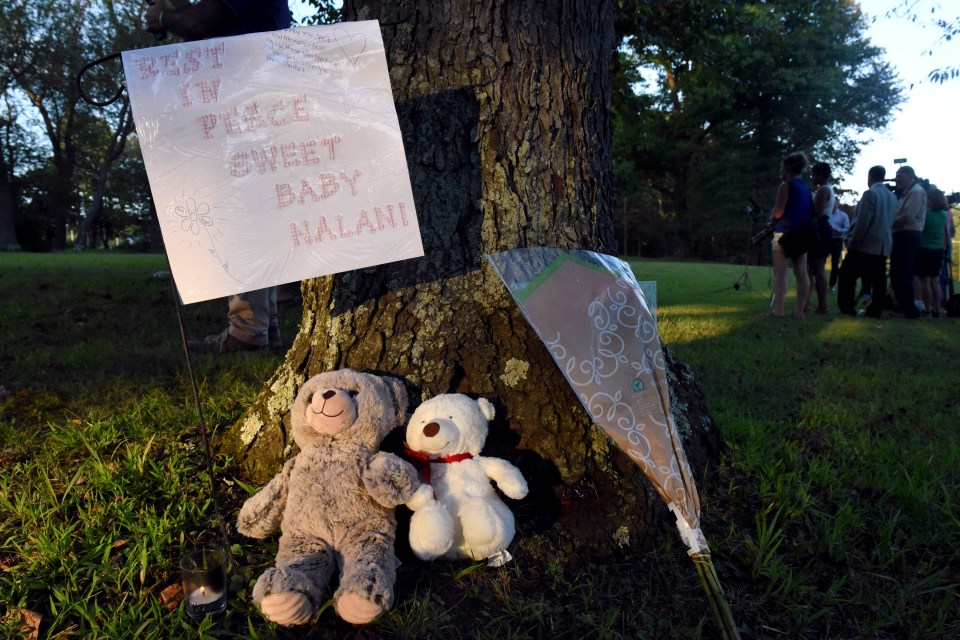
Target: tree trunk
506,123
154,234
86,232
8,229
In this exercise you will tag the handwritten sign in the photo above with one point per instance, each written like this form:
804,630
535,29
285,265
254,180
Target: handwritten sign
273,157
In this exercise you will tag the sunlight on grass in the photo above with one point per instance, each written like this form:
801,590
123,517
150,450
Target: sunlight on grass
686,324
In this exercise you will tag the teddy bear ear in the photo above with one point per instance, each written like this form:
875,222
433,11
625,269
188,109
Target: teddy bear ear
486,408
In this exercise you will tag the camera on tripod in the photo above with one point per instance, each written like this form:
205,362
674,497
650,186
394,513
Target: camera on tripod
758,214
763,235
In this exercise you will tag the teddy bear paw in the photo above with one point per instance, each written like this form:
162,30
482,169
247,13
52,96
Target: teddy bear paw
356,609
287,609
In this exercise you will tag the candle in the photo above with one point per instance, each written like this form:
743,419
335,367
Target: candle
204,583
204,596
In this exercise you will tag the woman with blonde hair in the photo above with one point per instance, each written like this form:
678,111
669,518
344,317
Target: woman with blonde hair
792,213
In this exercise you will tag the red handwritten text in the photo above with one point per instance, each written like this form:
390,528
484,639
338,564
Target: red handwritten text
173,63
253,116
324,186
384,218
289,154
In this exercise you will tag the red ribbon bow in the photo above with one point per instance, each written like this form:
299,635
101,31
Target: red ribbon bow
421,461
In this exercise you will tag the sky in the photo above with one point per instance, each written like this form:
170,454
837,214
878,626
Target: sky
925,131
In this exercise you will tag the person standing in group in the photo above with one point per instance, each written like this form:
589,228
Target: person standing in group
907,226
869,243
840,224
946,271
824,202
252,321
933,238
793,210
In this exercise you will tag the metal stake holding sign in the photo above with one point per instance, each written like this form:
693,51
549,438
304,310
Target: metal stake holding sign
593,316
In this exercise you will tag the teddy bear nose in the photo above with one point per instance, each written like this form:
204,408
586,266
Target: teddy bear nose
329,393
431,429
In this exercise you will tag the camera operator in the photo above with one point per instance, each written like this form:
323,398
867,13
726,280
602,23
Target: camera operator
907,227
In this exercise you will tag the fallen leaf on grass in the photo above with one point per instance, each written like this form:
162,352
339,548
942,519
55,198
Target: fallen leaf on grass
30,620
171,597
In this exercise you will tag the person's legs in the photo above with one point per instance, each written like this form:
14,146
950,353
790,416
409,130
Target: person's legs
803,284
816,270
925,294
836,248
876,275
945,272
850,271
249,317
780,264
936,295
927,269
273,331
902,257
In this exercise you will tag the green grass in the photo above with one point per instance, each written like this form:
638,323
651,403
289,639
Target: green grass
833,512
843,438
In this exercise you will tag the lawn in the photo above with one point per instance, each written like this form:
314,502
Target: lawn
832,514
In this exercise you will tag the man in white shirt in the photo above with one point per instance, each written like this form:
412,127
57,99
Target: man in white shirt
907,227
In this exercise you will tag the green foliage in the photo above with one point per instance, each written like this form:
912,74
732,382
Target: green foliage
832,514
930,12
712,93
41,57
326,11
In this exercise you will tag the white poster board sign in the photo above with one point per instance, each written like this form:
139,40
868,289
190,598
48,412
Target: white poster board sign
273,157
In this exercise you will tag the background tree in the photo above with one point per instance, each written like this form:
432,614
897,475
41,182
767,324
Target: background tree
8,230
505,114
712,106
116,118
16,54
41,78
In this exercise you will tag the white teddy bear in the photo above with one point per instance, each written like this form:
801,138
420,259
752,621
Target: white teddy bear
444,438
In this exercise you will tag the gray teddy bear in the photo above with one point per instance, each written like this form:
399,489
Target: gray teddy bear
334,501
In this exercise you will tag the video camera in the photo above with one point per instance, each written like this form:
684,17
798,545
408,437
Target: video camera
757,213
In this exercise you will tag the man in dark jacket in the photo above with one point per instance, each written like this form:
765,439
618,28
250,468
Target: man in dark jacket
869,244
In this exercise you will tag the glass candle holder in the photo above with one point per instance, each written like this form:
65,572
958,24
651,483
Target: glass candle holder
204,582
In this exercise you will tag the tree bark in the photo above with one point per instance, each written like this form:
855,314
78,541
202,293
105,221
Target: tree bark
506,123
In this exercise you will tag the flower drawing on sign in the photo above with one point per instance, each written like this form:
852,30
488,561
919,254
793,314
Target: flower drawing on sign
193,214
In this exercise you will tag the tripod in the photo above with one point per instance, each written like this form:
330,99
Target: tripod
743,280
